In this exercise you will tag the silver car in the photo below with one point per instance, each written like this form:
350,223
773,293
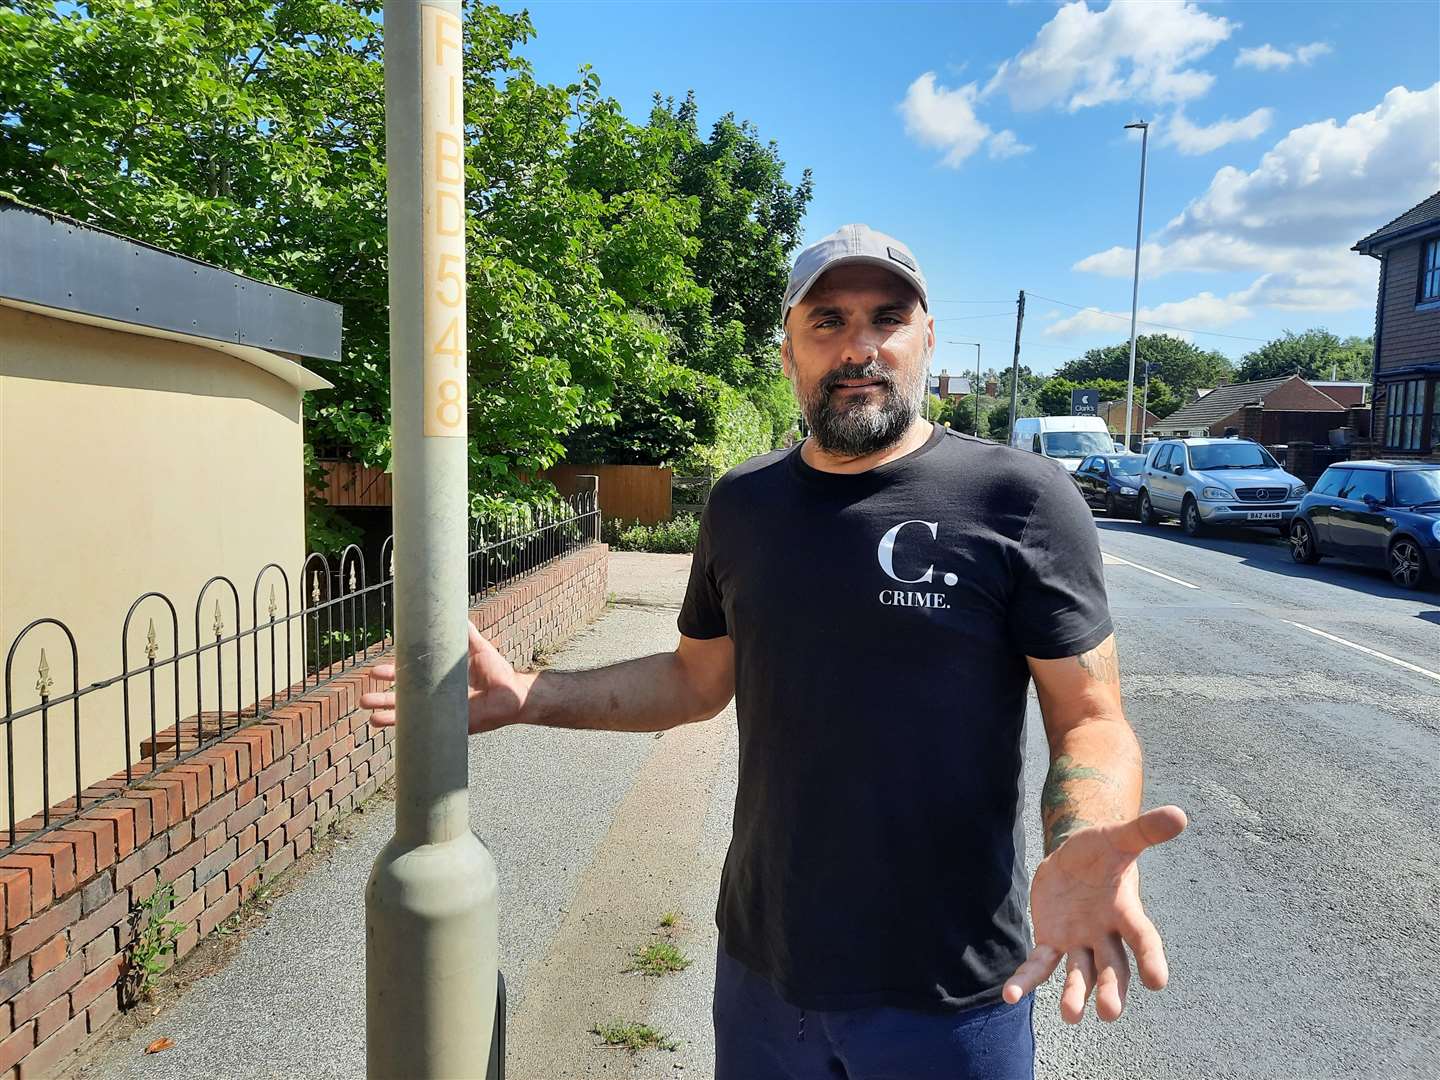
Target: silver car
1217,482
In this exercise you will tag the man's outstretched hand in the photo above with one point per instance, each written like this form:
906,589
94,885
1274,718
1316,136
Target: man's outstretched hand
496,694
1085,906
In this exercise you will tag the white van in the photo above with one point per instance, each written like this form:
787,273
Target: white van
1067,439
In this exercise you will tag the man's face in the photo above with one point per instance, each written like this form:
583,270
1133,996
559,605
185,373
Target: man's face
857,350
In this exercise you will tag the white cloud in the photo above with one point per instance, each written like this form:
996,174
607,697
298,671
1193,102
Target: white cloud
944,118
1004,144
1202,311
1127,51
1268,58
1293,217
1192,139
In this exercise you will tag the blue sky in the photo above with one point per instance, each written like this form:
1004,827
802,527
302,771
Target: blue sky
990,138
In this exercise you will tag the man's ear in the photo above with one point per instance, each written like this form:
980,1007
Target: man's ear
787,357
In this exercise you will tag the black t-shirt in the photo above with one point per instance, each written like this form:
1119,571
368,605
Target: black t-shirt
881,622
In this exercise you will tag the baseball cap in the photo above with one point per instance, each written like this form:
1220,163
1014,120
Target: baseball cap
852,244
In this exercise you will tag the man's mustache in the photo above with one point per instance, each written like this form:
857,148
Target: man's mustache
856,371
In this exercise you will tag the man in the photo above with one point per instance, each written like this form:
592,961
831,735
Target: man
877,600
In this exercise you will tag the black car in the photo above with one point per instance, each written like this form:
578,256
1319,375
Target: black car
1381,513
1111,481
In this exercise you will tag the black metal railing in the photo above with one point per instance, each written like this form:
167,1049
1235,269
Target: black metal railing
340,614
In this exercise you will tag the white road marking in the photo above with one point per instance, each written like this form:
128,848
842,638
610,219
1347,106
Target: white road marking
1105,556
1369,652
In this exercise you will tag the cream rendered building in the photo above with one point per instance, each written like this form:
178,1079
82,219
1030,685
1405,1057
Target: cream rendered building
150,439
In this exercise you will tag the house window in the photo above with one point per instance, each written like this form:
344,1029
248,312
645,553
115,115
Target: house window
1407,418
1430,271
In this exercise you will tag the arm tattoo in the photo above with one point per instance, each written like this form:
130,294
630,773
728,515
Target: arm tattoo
1058,810
1101,663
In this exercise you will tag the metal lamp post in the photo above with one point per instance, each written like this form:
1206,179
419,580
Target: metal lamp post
1135,291
431,954
974,390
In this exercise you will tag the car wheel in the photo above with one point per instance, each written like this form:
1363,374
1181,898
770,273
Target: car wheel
1111,510
1190,519
1407,564
1147,512
1302,542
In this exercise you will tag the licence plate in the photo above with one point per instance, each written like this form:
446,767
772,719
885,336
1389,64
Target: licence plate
1263,515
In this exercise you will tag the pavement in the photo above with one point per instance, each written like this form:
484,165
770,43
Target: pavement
1299,910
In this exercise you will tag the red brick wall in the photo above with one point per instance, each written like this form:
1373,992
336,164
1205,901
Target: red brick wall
1297,395
214,828
1408,333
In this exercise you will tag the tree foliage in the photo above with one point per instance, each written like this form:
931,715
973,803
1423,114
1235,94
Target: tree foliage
1313,354
1181,366
619,274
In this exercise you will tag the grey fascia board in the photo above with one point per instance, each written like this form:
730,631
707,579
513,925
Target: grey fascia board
61,264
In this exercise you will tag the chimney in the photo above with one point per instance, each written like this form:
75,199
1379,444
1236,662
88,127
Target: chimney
992,388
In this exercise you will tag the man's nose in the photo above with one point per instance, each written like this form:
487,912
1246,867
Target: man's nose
862,345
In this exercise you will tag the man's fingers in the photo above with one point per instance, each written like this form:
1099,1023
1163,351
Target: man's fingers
487,666
1112,979
384,671
1150,828
1034,971
382,718
1144,941
377,699
1079,980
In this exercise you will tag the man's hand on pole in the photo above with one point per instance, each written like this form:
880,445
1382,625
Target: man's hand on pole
1085,906
496,695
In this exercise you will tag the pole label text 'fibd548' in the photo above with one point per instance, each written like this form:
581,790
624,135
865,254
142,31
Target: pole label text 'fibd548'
443,184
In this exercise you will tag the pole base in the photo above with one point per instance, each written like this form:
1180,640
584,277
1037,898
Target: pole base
431,961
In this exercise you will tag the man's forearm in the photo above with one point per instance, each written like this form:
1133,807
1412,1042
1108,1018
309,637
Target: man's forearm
1094,779
648,694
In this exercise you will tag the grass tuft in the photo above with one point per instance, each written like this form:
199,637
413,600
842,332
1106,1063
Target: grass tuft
634,1037
659,958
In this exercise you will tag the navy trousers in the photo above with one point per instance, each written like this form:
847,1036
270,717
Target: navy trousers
760,1037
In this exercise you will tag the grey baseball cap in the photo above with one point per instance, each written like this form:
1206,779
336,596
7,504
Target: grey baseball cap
852,244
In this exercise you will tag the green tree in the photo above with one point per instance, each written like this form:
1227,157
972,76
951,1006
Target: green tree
1183,367
1313,354
251,133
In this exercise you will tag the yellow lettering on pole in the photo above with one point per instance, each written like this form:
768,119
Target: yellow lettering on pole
442,144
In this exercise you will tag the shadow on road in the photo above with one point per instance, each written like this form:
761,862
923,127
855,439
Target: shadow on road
1267,551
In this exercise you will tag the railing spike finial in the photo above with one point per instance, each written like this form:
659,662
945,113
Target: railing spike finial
353,583
219,622
152,647
315,586
44,683
392,562
273,607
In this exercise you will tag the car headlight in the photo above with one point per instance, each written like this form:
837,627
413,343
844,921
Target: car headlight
1435,531
1298,490
1217,493
1132,491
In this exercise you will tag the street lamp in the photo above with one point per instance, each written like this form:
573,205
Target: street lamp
1135,291
974,390
431,954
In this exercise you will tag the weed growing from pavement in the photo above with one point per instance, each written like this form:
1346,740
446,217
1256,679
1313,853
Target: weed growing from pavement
154,941
634,1037
669,919
659,958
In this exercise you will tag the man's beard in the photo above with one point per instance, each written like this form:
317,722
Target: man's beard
870,422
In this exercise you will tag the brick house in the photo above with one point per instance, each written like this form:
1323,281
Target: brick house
1407,333
1113,413
952,387
1280,410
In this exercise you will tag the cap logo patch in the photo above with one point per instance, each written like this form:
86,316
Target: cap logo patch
901,258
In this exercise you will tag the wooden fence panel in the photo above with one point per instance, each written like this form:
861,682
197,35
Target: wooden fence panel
629,492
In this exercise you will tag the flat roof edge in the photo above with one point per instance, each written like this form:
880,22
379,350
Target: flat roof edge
60,264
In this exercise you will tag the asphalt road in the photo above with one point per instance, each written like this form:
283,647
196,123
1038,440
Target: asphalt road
1299,909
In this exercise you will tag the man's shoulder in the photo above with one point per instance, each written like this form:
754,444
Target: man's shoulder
1001,468
751,476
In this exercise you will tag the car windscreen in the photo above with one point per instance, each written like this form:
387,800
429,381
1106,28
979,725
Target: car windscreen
1127,464
1076,444
1230,455
1414,487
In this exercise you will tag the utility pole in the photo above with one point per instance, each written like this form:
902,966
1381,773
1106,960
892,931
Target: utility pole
1015,368
1135,291
1144,406
431,954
